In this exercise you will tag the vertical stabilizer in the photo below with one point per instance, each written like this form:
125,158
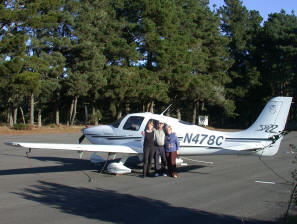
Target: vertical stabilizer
272,119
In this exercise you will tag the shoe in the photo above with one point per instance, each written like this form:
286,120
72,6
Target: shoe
156,175
164,174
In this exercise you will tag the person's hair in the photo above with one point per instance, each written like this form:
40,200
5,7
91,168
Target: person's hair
150,122
167,128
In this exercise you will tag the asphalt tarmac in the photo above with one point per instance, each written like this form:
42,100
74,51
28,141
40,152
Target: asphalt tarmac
57,187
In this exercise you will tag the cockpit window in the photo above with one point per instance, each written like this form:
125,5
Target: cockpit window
133,123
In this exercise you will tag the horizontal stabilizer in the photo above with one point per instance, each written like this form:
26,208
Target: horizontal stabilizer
246,146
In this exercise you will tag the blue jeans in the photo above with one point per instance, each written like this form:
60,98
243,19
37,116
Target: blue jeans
160,151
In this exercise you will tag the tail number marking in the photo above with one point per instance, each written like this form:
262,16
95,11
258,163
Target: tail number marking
203,138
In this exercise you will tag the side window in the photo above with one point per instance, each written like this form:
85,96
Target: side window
133,123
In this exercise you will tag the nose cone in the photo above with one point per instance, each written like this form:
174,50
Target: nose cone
99,130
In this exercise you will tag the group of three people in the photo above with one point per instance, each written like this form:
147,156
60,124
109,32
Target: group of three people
158,144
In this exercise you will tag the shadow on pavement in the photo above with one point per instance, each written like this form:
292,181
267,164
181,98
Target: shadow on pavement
63,165
70,164
110,206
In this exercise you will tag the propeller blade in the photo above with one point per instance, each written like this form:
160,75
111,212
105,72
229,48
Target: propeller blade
81,139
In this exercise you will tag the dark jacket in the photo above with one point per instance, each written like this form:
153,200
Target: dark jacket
149,139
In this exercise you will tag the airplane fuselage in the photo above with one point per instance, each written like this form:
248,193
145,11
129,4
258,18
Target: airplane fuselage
194,140
263,137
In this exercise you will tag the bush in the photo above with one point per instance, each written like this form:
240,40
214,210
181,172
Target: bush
22,126
53,126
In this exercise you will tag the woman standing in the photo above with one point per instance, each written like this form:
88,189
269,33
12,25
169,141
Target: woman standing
148,148
171,147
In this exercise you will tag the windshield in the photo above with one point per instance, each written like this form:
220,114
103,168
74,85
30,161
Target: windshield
117,123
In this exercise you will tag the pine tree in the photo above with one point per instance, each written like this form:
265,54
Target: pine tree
13,52
208,59
279,53
241,27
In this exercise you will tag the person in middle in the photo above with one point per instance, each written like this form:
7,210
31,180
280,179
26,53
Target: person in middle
148,148
160,151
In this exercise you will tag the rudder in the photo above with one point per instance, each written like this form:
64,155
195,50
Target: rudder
272,119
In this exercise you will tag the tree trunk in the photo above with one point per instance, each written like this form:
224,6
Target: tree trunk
7,116
202,106
119,114
195,110
8,111
57,108
74,110
70,112
15,115
147,107
39,118
127,108
86,114
23,117
178,113
10,118
152,107
95,116
57,116
32,109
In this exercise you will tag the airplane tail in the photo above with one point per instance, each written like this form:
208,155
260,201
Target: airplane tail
270,123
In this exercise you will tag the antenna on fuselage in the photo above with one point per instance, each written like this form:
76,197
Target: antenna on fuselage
166,109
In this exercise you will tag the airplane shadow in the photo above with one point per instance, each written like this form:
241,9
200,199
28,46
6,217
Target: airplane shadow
111,206
70,164
63,165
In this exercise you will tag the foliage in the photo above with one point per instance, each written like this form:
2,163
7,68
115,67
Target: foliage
21,126
131,55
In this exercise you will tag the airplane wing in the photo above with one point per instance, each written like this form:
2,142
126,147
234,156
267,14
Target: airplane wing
77,147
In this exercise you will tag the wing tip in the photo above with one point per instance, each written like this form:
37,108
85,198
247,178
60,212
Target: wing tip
15,144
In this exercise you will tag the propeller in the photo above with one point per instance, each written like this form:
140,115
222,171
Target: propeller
81,153
81,139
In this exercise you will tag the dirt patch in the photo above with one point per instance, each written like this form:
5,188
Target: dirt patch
4,130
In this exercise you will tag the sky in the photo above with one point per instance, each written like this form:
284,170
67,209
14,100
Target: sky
265,7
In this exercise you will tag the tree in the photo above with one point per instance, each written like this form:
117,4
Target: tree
13,96
163,46
12,51
121,88
95,27
29,83
208,60
77,86
241,27
122,56
279,54
151,89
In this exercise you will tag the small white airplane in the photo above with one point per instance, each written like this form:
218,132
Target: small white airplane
262,138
